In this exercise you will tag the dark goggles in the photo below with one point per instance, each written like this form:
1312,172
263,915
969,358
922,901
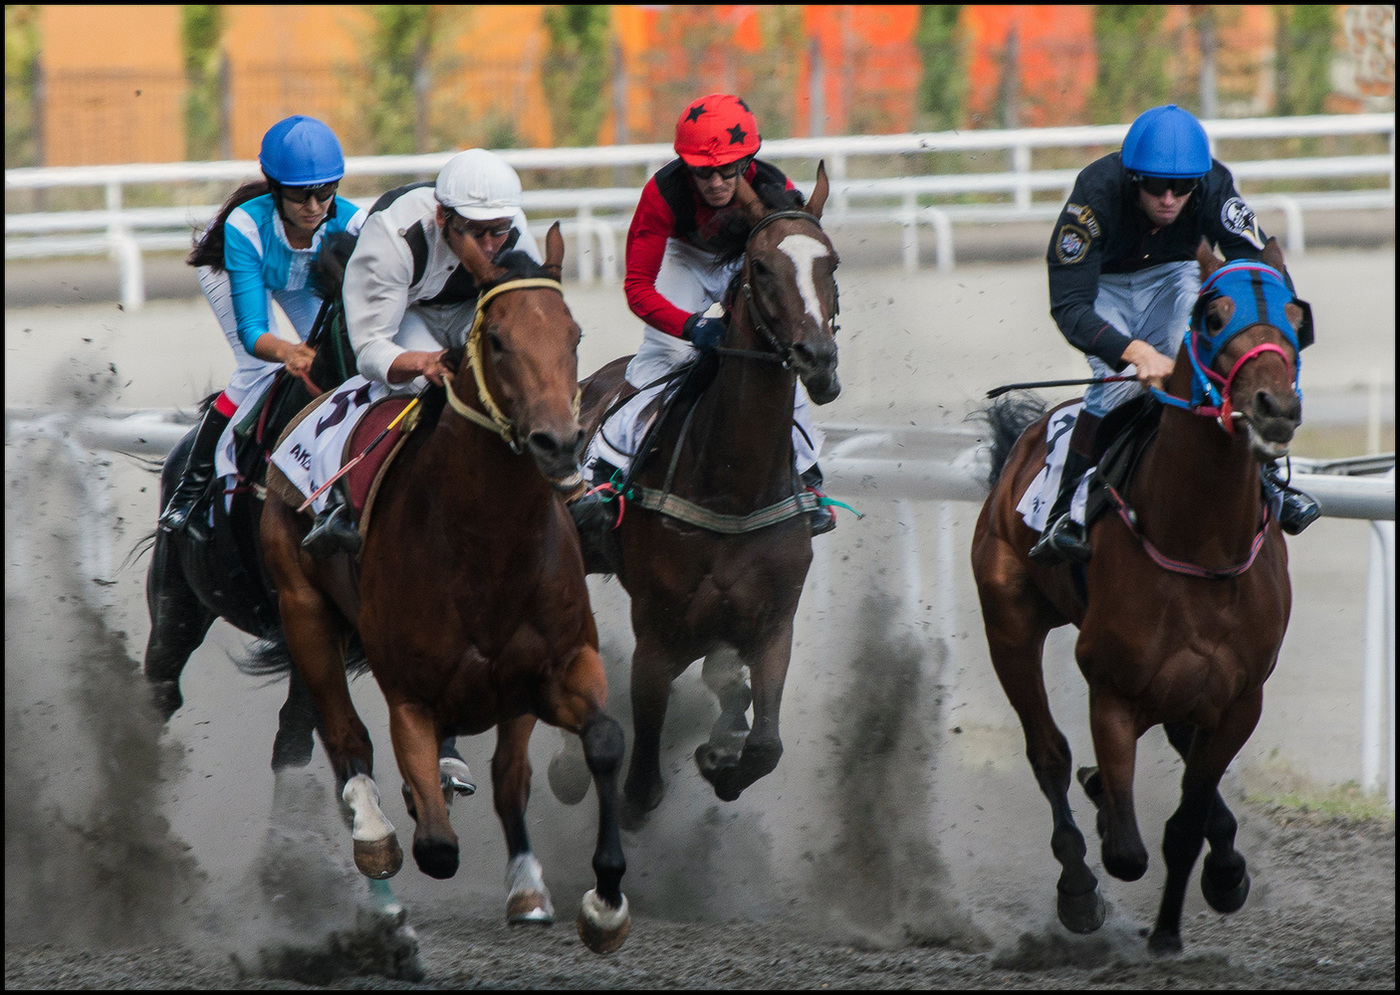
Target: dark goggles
1157,186
300,195
477,229
728,172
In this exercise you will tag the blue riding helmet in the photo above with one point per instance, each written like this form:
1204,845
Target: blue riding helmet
1168,142
300,151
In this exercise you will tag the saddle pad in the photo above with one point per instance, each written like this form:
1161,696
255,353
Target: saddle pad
1039,498
361,479
277,481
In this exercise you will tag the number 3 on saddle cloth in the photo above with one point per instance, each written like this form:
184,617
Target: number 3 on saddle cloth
329,432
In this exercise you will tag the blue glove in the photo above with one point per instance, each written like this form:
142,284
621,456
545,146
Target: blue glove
705,334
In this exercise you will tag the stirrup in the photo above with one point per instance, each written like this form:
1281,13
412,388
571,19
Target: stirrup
182,513
331,534
1063,540
1297,512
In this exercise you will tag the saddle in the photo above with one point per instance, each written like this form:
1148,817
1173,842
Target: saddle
1129,427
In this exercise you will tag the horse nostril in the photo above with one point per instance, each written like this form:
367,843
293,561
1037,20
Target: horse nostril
810,354
1270,406
543,442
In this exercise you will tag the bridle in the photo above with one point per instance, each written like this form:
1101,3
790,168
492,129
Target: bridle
776,352
495,419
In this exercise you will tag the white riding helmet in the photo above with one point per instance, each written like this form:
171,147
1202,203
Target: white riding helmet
479,185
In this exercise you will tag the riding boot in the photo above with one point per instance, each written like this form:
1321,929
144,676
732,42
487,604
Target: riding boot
333,530
1063,538
1296,510
822,519
180,511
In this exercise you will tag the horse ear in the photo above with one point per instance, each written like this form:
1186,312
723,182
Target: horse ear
554,251
1207,259
749,201
819,192
1272,254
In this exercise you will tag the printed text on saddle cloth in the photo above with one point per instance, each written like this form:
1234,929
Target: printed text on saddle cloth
1040,495
315,450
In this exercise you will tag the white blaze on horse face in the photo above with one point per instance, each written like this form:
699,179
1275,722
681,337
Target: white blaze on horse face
804,251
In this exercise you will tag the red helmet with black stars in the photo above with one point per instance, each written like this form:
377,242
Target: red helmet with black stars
716,130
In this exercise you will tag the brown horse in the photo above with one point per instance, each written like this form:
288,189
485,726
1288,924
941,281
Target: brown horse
1181,608
714,542
470,600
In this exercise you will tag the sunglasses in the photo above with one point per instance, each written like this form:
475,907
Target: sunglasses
476,229
723,172
300,195
1157,186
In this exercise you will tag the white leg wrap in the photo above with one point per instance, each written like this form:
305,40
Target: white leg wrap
362,795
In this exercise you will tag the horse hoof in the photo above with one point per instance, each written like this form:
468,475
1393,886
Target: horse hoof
602,928
1081,913
436,858
1164,944
379,859
1225,900
712,760
529,907
569,777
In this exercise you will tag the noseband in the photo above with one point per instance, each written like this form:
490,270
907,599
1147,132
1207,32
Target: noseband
778,353
495,419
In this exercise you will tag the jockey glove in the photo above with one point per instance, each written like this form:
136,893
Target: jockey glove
705,333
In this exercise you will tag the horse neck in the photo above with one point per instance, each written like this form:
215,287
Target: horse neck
1198,493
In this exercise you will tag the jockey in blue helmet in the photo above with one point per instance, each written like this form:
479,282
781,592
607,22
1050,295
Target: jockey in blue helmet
1123,281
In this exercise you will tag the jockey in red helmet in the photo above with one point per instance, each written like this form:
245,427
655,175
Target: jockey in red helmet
684,246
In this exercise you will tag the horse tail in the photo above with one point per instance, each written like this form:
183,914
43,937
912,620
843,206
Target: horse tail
270,657
1007,418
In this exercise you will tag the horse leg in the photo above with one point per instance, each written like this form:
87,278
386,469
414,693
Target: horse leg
1016,648
179,623
763,747
1210,753
296,721
1115,735
1224,877
454,777
653,669
527,898
416,744
723,673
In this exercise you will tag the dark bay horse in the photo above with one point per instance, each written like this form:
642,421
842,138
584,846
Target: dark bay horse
1182,607
470,598
714,544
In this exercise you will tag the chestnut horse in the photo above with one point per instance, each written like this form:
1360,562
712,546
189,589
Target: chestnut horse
470,598
715,541
1182,607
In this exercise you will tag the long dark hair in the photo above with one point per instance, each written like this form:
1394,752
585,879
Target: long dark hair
209,245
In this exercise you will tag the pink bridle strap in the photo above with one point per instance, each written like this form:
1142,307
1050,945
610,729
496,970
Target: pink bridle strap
1227,421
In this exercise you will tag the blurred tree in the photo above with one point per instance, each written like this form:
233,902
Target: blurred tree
22,113
943,87
576,71
1303,57
396,108
769,86
1132,72
201,36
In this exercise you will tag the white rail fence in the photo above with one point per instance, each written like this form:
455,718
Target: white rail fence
596,217
884,463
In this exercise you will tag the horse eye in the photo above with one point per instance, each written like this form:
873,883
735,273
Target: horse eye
494,340
1214,322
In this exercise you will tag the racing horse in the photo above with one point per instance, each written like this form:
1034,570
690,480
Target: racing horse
469,597
1182,607
714,542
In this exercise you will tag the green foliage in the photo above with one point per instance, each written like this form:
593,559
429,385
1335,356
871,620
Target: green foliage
1132,72
576,71
201,32
943,88
398,55
21,82
1304,57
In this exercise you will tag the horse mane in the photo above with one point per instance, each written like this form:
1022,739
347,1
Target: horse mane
733,235
1007,418
517,264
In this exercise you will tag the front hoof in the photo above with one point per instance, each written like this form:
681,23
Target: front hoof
1164,944
602,928
1081,913
1225,899
436,858
569,777
529,907
379,859
166,697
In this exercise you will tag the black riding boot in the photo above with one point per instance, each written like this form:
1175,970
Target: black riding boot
1298,510
1063,538
333,531
179,514
822,519
594,518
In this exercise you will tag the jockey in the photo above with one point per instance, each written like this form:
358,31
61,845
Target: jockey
675,277
408,298
1124,280
258,249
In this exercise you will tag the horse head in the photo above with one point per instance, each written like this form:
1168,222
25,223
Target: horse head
522,353
1243,344
788,283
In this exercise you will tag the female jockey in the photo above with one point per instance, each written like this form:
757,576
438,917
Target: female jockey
258,249
675,272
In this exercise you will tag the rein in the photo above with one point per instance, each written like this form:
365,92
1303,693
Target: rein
495,419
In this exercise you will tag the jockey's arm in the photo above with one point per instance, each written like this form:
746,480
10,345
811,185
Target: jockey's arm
377,282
